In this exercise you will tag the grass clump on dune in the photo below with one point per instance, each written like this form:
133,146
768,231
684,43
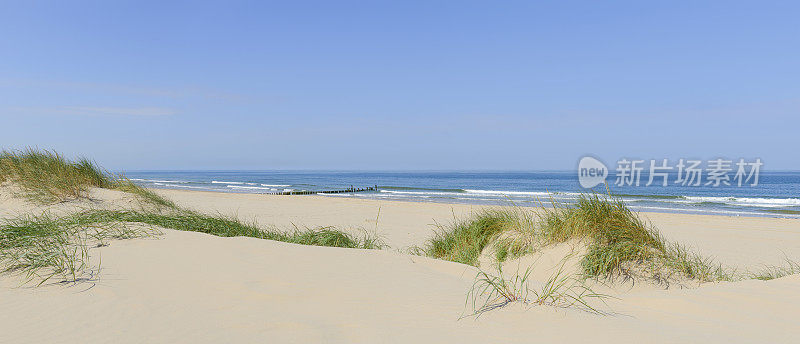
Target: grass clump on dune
46,176
619,242
45,247
560,290
463,241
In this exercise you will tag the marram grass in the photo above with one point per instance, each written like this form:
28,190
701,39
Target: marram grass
50,248
232,227
618,242
46,248
560,290
47,177
463,241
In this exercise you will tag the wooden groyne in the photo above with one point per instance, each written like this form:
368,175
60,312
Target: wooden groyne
349,190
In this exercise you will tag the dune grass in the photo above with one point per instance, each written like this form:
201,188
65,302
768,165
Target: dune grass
618,242
45,247
463,241
49,248
490,291
772,272
46,176
231,227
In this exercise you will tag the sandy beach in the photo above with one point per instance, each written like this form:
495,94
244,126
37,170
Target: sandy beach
399,172
193,287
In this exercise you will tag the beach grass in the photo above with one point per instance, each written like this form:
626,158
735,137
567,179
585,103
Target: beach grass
772,272
225,226
46,248
47,177
618,242
463,240
490,291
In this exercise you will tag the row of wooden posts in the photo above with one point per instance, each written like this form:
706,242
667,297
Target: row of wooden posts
351,189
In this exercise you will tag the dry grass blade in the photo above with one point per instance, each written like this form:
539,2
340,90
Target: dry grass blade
561,290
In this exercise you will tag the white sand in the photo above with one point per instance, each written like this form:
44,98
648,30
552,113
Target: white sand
190,287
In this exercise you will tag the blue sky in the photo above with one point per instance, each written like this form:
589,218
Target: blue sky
400,85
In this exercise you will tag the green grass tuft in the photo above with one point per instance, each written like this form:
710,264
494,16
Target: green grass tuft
463,241
618,242
46,176
773,272
45,247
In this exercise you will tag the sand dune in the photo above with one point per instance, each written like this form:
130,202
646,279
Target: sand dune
191,287
746,242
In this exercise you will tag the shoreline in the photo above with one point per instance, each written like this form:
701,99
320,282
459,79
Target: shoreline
659,211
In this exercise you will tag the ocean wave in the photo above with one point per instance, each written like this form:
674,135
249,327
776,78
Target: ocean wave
745,201
253,188
338,195
481,195
406,188
275,185
160,181
232,183
421,193
521,193
182,186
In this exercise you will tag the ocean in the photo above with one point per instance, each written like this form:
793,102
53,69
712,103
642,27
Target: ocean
777,193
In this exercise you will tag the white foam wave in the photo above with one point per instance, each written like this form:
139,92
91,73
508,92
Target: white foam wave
275,185
160,181
181,186
745,201
252,187
338,195
232,183
421,193
519,193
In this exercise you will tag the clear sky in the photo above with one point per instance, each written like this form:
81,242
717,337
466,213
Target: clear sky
400,85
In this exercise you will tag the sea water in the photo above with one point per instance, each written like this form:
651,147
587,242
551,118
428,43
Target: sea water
777,193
